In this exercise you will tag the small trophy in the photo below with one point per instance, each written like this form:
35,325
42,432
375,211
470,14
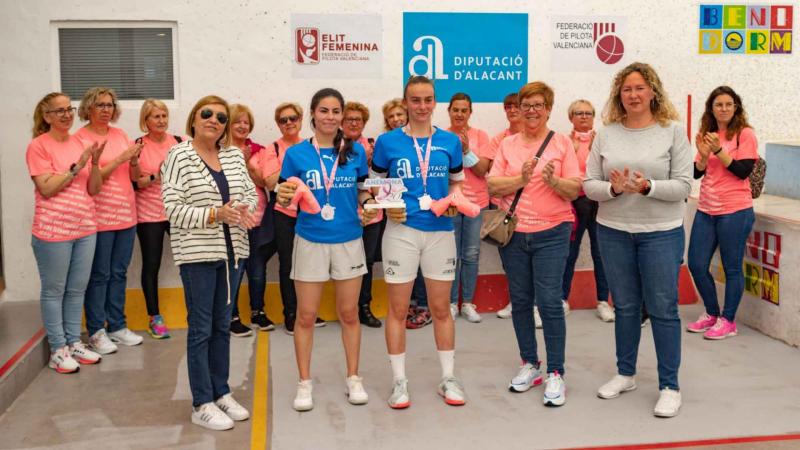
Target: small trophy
390,193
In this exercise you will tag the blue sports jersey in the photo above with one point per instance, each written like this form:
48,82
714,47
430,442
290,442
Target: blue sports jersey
301,161
396,155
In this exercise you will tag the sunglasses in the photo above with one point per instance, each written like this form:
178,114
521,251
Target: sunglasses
287,119
221,116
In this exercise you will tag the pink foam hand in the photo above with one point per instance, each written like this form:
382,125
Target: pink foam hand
303,197
439,207
465,206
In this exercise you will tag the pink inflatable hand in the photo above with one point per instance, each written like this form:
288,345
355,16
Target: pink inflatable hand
303,197
458,200
440,206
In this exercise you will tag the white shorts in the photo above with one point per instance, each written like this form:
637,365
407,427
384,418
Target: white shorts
406,249
316,262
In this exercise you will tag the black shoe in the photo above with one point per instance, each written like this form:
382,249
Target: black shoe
238,329
319,323
289,324
366,317
261,321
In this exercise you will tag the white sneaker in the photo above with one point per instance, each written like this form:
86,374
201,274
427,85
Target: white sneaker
355,392
399,398
605,312
555,391
537,319
100,343
453,310
125,337
209,416
470,313
565,305
527,377
452,391
505,313
81,353
61,360
669,402
232,408
303,400
616,386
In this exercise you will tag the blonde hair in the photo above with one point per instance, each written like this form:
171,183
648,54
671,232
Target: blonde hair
237,109
661,108
360,107
40,126
297,109
574,105
224,141
90,98
387,107
147,107
538,88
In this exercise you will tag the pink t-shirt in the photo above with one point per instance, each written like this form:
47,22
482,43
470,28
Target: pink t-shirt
291,210
255,156
722,192
69,214
475,187
149,207
584,147
539,208
490,150
116,202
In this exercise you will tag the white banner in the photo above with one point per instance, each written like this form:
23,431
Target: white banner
337,46
588,43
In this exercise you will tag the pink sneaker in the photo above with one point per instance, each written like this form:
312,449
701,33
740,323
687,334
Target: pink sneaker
721,329
703,324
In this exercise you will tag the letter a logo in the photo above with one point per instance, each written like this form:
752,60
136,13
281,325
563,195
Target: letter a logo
404,168
313,180
433,58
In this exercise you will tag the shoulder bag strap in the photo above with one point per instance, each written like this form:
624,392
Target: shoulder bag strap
538,155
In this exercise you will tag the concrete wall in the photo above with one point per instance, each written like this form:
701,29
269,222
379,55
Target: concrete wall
243,51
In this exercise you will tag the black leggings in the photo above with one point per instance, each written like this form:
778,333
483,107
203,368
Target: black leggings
284,238
151,239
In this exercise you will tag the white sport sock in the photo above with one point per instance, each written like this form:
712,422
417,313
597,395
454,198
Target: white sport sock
447,358
398,363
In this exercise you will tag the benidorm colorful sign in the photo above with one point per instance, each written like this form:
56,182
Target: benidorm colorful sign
746,29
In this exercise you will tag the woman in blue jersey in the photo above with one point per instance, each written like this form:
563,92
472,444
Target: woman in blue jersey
328,243
428,160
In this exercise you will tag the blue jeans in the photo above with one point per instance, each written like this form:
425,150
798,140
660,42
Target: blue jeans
468,251
208,348
642,268
729,232
534,264
64,269
586,215
105,295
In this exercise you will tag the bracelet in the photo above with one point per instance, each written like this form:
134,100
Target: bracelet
72,172
212,216
647,187
372,197
718,150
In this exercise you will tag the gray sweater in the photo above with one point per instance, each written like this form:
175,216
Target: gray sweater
662,154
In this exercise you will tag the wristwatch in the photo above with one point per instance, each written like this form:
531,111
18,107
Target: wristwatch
73,169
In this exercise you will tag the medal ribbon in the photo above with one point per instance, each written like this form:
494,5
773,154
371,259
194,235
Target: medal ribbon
327,181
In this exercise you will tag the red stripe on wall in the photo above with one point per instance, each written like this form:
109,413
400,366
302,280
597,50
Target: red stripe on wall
21,352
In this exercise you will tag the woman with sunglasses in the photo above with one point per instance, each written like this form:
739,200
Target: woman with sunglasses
64,228
210,200
115,207
152,220
581,114
417,239
727,150
543,165
468,229
356,116
328,243
262,236
289,118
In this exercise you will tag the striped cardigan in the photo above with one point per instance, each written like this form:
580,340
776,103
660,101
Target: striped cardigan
189,191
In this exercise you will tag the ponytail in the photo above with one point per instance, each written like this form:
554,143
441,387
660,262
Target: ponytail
347,149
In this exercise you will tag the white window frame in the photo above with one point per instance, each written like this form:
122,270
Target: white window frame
56,25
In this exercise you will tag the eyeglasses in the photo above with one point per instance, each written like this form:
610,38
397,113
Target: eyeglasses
207,113
287,119
61,112
104,106
724,105
510,106
353,120
583,114
528,106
